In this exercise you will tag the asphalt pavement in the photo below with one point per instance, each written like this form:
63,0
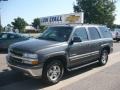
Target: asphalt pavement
106,79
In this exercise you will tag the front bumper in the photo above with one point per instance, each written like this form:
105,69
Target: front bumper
35,71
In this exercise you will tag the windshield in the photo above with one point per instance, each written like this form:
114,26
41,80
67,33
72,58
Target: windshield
3,36
59,34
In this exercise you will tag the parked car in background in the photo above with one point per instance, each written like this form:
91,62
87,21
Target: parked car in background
7,39
116,34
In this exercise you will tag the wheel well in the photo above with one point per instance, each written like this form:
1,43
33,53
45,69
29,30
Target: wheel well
107,48
60,58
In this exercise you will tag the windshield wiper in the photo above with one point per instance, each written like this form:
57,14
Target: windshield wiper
40,38
53,39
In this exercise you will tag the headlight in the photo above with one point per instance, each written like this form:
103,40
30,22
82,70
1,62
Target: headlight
31,56
32,59
33,62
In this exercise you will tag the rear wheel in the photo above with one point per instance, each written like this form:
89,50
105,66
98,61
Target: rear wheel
117,40
103,58
53,72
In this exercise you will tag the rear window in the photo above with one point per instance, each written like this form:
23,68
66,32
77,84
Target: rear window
105,32
118,30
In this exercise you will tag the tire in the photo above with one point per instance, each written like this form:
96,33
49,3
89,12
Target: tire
117,40
103,58
53,72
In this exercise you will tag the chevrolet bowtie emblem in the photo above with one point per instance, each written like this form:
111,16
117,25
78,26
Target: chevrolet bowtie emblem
72,18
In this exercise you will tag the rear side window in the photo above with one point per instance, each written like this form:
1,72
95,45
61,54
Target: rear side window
81,33
105,32
94,34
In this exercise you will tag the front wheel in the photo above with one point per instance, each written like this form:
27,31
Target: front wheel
53,72
103,58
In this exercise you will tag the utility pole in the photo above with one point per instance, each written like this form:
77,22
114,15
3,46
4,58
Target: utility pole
0,15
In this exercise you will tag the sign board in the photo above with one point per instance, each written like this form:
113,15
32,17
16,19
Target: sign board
73,18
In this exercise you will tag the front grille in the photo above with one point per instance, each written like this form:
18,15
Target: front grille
15,60
16,53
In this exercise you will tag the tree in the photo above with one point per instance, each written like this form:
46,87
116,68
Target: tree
96,11
36,23
42,28
1,28
115,26
19,23
8,28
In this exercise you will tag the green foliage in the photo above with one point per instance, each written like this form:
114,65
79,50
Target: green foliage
97,11
1,28
42,28
36,23
19,23
115,26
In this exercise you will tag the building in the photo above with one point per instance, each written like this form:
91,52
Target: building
30,29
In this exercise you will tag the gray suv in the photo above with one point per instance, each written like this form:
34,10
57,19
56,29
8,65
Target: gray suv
59,49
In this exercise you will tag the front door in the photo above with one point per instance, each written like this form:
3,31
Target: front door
78,51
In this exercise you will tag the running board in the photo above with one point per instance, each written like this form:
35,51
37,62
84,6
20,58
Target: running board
83,66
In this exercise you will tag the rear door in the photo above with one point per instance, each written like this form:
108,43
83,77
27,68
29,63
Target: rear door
95,43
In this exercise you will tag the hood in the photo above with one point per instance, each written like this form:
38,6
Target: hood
33,45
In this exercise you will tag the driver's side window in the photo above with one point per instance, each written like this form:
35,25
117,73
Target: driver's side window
81,33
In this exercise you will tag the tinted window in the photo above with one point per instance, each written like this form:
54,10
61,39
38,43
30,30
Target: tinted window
94,34
18,36
81,32
3,36
60,34
11,36
118,30
105,32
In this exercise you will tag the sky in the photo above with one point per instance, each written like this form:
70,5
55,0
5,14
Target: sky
30,9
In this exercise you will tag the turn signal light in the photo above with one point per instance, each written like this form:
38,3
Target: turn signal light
35,62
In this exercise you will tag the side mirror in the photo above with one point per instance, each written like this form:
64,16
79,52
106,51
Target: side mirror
76,39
